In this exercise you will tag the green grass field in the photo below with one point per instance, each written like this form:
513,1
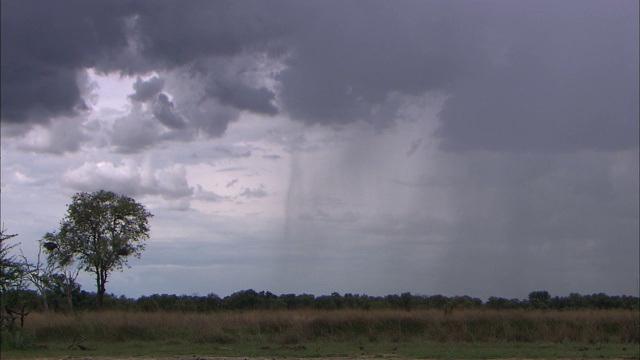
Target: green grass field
318,334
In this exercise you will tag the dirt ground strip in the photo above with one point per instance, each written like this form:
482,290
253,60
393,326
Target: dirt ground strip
195,357
394,357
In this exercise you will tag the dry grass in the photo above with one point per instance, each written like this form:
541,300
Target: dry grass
290,327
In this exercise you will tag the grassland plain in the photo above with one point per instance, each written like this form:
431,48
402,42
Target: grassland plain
329,334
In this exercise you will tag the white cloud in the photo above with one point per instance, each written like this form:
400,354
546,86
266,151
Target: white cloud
254,193
206,195
129,178
64,135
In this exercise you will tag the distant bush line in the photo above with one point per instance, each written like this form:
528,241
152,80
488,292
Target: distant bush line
265,300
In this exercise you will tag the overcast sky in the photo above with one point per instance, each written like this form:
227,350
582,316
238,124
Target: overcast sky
483,148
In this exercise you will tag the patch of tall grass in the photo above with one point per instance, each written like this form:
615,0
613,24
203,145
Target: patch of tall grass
296,326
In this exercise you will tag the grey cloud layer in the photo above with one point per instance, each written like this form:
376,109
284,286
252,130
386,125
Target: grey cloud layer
147,90
44,44
522,76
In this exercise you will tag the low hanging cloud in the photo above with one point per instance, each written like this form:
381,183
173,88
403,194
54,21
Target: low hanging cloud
207,195
129,178
134,132
61,137
164,111
258,192
243,97
322,216
162,107
147,90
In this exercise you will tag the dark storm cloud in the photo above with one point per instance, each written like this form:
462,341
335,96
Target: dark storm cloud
350,56
164,111
44,43
568,81
523,76
243,97
173,33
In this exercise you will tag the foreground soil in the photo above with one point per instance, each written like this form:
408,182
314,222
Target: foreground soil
364,357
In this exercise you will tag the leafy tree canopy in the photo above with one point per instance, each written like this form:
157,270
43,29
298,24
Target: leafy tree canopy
101,230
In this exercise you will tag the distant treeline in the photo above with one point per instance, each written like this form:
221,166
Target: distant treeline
265,300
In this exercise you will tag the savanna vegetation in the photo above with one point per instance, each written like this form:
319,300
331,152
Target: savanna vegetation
45,313
461,333
250,323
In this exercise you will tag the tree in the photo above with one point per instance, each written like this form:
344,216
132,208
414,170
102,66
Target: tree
406,300
10,270
39,274
63,291
539,299
101,230
11,282
63,261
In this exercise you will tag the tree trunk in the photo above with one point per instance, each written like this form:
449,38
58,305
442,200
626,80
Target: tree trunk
69,282
43,294
45,303
68,288
69,301
100,297
101,281
100,289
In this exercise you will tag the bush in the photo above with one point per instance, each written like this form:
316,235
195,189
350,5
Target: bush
17,339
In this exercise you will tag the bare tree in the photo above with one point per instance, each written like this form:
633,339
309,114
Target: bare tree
10,279
64,262
39,274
